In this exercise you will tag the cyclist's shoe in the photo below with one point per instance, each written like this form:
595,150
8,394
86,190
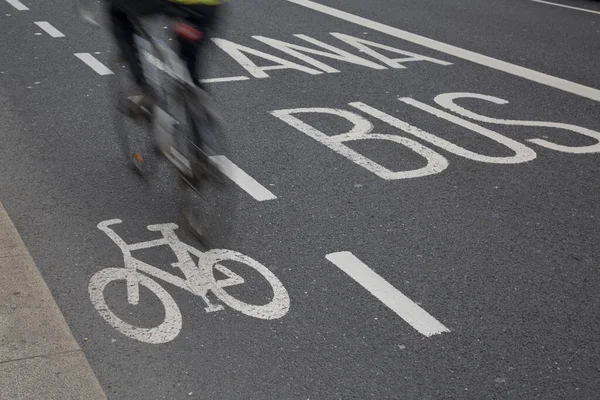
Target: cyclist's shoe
206,169
146,101
139,102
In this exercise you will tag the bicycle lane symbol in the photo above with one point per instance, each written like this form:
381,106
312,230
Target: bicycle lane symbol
199,280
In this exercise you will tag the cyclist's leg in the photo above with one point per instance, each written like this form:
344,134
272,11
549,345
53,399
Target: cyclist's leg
203,20
120,13
123,31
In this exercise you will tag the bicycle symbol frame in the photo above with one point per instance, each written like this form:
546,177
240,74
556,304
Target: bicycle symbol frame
199,280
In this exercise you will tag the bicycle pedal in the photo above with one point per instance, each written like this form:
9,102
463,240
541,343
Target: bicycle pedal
136,108
137,164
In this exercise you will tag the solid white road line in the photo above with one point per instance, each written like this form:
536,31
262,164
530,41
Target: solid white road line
387,294
242,179
49,29
565,6
94,64
228,79
526,73
18,5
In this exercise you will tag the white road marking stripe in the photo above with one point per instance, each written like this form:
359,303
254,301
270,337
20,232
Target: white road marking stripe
387,294
93,63
160,65
228,79
242,179
49,29
565,6
535,76
18,5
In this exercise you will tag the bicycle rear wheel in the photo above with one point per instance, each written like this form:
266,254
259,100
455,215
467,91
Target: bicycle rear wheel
209,202
132,124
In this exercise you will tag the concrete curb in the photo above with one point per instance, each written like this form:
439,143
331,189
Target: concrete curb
39,357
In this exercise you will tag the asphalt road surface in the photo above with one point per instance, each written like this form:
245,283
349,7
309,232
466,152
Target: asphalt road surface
418,189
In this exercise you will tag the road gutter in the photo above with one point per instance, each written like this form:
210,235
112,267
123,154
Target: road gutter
39,357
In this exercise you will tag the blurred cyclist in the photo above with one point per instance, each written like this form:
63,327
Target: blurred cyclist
200,19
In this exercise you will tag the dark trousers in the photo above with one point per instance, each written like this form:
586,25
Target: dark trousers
121,14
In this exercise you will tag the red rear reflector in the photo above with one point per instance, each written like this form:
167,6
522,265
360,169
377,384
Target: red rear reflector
188,32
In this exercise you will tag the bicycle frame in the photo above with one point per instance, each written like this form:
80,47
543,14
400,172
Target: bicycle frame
173,65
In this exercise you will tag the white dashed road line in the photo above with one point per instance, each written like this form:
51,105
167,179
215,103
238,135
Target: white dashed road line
243,180
228,79
49,29
409,311
18,5
566,6
93,63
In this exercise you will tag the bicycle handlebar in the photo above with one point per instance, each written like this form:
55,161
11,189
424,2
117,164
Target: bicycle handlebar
87,15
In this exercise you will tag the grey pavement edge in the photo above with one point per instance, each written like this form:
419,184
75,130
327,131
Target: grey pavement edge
39,357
